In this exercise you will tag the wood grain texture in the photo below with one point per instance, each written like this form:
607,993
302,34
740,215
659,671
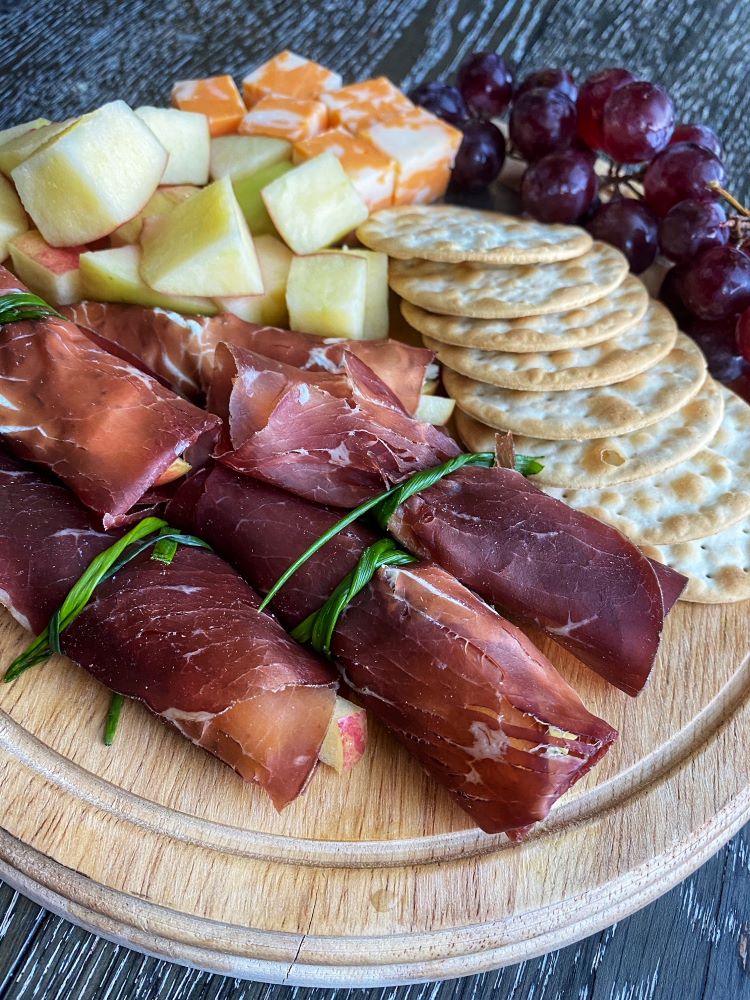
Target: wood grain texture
63,57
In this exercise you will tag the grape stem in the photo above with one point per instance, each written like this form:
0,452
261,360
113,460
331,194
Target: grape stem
715,186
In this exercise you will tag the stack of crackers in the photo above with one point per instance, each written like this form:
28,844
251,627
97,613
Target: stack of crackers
544,333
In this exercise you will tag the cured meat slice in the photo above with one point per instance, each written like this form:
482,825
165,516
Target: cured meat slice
104,427
181,349
186,639
337,439
585,584
465,691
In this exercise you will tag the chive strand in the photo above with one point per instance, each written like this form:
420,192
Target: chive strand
18,307
113,719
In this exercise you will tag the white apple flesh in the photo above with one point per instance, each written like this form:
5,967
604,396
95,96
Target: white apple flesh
185,136
327,293
51,272
13,218
346,740
435,409
268,309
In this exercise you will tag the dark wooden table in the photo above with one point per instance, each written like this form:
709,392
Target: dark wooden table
60,58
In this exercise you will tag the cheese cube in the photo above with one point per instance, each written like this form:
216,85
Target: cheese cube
360,104
216,97
289,75
285,118
424,148
372,173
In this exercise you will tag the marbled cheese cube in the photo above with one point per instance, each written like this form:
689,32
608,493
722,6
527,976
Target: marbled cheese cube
285,118
289,75
424,148
359,105
216,97
372,173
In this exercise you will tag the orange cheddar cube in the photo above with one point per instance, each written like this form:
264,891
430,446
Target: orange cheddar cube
424,148
289,75
217,97
372,173
285,118
359,105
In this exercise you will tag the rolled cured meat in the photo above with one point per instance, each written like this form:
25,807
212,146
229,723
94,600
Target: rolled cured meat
181,349
103,426
339,439
186,639
466,692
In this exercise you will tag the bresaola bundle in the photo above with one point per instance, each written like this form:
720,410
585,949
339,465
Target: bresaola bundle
185,638
341,439
466,692
103,426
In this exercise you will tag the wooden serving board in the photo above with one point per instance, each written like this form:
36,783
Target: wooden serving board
376,877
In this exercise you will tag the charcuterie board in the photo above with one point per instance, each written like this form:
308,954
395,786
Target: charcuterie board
375,877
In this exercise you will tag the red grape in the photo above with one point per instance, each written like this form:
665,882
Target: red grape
559,187
691,226
716,284
670,295
637,122
486,82
542,121
681,171
553,79
480,156
701,134
630,226
592,97
743,334
717,341
442,100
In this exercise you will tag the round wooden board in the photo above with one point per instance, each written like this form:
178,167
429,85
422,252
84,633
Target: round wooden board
374,878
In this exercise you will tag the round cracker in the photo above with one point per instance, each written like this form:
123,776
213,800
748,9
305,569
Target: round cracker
613,360
515,290
611,461
717,566
452,234
587,413
607,317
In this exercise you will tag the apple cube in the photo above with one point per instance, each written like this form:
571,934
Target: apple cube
285,118
202,247
326,294
241,155
424,148
346,740
288,74
248,192
92,177
269,308
15,131
435,409
360,104
185,136
372,173
314,205
114,276
52,272
13,219
162,200
216,97
376,294
22,145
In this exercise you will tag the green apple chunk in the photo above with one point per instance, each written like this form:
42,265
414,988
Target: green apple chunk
202,247
161,201
13,219
248,190
114,276
239,155
52,272
327,293
19,147
92,177
314,204
186,138
435,409
269,308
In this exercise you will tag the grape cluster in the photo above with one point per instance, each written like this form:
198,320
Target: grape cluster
660,189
